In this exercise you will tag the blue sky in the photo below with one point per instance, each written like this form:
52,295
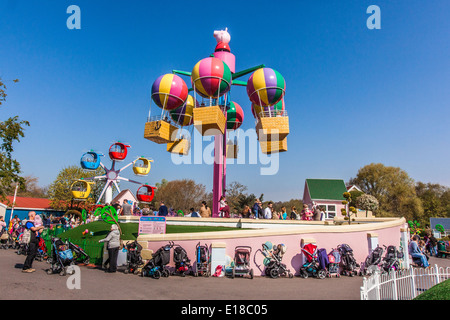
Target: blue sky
354,95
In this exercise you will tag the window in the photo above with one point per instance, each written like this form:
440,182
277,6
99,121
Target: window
330,211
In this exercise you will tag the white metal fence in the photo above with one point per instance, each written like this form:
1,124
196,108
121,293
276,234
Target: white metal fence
402,284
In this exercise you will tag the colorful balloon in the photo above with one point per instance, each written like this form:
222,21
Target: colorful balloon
169,92
266,87
270,111
184,115
235,116
211,77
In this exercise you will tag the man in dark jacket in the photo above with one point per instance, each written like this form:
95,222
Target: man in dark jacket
163,210
33,243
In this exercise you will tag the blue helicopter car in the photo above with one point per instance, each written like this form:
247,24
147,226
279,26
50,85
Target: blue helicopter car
91,160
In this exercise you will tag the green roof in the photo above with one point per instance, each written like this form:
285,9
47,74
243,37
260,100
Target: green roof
324,189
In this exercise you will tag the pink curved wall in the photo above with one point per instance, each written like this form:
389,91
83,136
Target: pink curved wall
358,241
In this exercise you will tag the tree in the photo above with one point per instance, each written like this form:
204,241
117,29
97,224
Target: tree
367,202
392,187
435,200
351,210
59,191
11,131
180,194
32,189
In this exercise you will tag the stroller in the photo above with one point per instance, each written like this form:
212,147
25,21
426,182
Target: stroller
311,267
334,258
272,261
41,251
241,264
391,260
134,259
372,262
5,240
61,258
156,266
78,253
348,261
202,261
181,260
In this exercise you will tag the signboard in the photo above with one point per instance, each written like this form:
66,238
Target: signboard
152,225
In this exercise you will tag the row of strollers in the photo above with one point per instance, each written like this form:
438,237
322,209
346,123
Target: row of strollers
318,263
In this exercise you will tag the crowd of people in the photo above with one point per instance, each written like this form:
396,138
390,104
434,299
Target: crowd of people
316,213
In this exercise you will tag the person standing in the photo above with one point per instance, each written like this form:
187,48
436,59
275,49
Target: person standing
255,208
163,211
31,237
205,212
113,239
283,215
268,211
126,208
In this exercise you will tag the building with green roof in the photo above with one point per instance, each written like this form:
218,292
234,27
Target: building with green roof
326,193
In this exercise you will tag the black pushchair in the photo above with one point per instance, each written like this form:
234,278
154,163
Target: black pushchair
391,260
372,262
134,258
79,253
348,261
61,258
202,261
156,267
181,260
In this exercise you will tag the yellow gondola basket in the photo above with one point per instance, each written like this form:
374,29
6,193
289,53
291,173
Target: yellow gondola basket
159,131
273,128
232,151
275,146
179,146
209,121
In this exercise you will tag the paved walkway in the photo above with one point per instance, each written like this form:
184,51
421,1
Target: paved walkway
96,284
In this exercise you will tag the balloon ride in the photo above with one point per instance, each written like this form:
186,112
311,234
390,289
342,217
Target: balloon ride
212,113
82,188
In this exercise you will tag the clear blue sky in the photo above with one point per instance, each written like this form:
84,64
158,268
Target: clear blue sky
354,95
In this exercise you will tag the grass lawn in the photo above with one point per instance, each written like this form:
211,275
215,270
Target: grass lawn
130,230
440,291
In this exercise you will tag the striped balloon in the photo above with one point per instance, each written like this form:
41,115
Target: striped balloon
169,92
266,87
211,77
270,111
235,116
184,115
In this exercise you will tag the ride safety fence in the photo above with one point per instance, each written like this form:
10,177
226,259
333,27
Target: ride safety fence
404,284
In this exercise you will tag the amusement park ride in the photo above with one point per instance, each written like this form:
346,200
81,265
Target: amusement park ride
211,111
82,188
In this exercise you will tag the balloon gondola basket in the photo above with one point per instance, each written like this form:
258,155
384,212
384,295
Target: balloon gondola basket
209,121
232,151
275,146
159,131
273,127
179,146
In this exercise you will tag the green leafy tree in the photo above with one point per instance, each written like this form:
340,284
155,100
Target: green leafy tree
392,187
59,191
435,200
11,131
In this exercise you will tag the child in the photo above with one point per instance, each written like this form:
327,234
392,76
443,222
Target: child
222,205
306,213
38,223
